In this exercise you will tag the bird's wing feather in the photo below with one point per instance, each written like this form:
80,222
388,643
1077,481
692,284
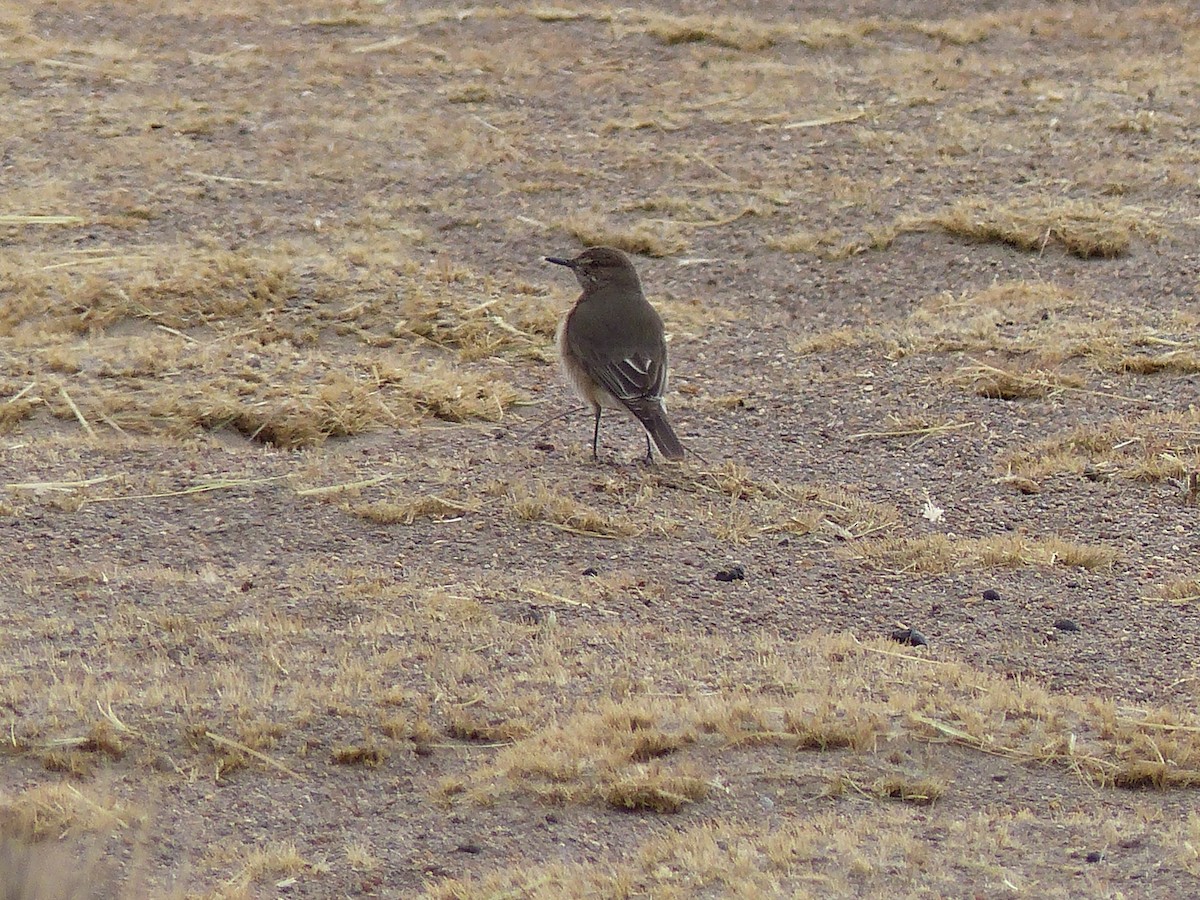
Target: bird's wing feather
635,376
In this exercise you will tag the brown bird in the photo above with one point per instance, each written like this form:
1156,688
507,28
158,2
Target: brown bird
612,347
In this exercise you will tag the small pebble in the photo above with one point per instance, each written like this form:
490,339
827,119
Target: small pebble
590,572
991,596
910,636
1095,856
733,573
1066,625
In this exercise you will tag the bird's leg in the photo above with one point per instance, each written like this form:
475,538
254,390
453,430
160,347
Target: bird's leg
596,436
649,455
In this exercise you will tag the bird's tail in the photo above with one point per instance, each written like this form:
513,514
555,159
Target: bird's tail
654,418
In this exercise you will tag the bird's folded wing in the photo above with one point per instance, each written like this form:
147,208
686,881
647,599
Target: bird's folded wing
631,377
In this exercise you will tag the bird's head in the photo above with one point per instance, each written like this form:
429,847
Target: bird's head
599,266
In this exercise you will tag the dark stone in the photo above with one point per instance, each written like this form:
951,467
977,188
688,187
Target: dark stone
910,636
733,573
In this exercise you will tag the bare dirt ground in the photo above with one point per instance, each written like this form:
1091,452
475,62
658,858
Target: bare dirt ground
310,588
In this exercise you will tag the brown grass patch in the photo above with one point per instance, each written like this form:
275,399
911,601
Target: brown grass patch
177,287
467,726
369,755
1082,228
1151,447
996,383
406,512
764,505
645,237
650,789
939,553
541,504
723,31
1174,362
52,810
444,307
1180,591
917,791
171,341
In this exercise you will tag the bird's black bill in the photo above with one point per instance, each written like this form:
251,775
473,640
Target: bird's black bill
559,261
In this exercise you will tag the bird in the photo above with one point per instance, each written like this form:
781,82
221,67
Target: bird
612,347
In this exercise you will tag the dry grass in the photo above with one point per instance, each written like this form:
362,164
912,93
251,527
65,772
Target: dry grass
1150,447
1180,591
635,741
643,237
940,553
52,810
996,383
1173,362
740,508
1042,323
724,31
408,511
1084,229
578,760
176,341
544,505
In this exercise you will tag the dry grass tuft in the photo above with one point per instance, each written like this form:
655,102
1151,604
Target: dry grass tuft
465,725
648,238
175,287
917,791
1042,321
827,244
826,34
995,383
1007,315
612,756
940,553
337,406
1155,774
276,861
1084,229
168,341
543,505
52,810
650,789
723,31
406,512
845,338
1180,591
1174,362
456,311
1151,447
763,505
369,755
